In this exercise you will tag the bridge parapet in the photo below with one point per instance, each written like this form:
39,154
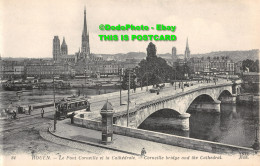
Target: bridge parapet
156,99
123,92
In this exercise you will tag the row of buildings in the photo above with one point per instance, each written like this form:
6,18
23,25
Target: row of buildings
217,65
47,68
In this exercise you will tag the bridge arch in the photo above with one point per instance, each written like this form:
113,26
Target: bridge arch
224,93
165,113
227,97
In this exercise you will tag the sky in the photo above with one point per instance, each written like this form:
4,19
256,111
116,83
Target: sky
27,27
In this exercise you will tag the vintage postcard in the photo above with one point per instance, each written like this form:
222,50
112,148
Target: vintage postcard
129,82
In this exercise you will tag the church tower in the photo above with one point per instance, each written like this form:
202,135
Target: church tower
174,56
151,51
56,48
187,52
85,50
64,48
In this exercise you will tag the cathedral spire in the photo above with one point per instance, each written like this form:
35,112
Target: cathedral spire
187,44
64,42
187,51
85,23
85,38
64,47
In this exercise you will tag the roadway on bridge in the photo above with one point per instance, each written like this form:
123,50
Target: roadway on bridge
144,96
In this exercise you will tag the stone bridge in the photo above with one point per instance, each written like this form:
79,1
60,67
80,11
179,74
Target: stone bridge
201,98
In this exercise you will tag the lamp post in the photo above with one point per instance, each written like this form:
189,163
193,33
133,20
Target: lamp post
128,99
182,86
175,78
120,75
147,82
54,103
256,145
146,78
141,84
85,78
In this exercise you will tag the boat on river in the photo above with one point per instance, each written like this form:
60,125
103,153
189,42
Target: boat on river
16,86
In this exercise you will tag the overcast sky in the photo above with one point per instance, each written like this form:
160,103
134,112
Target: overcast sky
27,27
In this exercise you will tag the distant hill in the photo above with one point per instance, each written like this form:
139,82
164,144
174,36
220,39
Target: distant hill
234,55
13,59
21,59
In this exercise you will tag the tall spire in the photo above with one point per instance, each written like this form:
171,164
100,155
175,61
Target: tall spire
187,44
85,23
64,47
85,38
64,42
187,51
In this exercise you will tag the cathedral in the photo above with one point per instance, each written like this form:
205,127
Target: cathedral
60,52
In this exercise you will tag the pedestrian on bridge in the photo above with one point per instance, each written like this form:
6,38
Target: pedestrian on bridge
42,112
30,109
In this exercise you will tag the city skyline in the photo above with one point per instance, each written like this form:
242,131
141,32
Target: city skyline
28,33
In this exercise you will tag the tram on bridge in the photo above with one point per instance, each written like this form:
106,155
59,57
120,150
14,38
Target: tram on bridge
66,106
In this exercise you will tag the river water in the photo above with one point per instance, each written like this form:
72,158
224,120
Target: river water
234,125
39,96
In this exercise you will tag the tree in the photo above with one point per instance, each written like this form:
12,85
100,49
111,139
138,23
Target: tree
125,81
255,66
251,65
153,70
181,71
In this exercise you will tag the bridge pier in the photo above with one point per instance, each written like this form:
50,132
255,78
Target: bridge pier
206,107
229,99
184,121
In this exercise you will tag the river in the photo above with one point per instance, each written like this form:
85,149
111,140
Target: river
235,125
46,95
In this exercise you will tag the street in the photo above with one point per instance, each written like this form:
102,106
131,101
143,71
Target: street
22,136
